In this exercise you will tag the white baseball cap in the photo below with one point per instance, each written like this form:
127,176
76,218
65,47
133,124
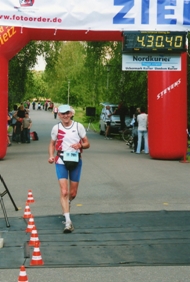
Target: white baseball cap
64,109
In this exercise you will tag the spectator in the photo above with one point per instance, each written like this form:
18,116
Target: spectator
55,111
21,114
21,111
26,125
121,111
46,105
51,105
34,105
18,130
39,106
42,104
8,139
28,104
14,120
108,114
142,120
135,129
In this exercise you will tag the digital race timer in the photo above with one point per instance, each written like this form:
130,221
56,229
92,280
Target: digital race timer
154,41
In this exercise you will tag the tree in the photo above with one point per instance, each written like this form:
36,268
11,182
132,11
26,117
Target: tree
66,77
83,73
20,68
36,87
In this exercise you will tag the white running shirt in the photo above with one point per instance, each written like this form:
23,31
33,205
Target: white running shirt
66,136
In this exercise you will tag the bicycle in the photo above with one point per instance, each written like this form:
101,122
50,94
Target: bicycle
127,137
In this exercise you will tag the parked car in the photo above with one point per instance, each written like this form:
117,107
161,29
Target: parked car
115,125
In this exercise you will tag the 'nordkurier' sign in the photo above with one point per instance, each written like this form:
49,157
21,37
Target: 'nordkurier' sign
147,62
105,15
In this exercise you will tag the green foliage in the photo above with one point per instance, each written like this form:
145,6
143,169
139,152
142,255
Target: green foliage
36,86
80,116
81,73
21,79
66,79
104,71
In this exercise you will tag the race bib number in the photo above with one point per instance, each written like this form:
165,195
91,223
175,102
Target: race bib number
71,156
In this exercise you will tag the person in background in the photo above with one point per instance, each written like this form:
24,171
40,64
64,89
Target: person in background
135,129
121,111
142,120
34,105
108,114
25,105
42,104
51,106
28,104
67,137
8,139
21,114
14,120
18,130
55,111
21,111
39,106
26,125
46,105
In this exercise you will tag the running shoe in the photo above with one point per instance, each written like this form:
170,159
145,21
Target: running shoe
68,227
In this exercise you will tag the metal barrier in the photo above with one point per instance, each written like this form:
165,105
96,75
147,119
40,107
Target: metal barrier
2,202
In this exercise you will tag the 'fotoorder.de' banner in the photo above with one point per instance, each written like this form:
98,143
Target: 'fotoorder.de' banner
173,15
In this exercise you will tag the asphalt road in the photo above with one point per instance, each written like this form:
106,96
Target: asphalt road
113,180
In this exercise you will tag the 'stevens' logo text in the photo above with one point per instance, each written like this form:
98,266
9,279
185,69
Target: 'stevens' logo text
168,89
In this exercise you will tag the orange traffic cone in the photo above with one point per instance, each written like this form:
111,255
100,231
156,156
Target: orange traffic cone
30,198
22,275
36,256
34,237
27,211
31,224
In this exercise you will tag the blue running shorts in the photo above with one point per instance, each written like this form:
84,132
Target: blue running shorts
73,175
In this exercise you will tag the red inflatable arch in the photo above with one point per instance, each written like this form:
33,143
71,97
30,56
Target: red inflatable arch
166,90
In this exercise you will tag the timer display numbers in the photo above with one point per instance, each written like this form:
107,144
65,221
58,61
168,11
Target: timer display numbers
154,42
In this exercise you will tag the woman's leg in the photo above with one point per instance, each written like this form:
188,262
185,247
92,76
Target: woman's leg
139,142
64,195
146,150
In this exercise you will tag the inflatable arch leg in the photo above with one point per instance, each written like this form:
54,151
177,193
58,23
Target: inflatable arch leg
13,39
4,106
167,113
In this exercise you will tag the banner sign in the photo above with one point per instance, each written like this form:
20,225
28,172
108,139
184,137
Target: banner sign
98,15
149,62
